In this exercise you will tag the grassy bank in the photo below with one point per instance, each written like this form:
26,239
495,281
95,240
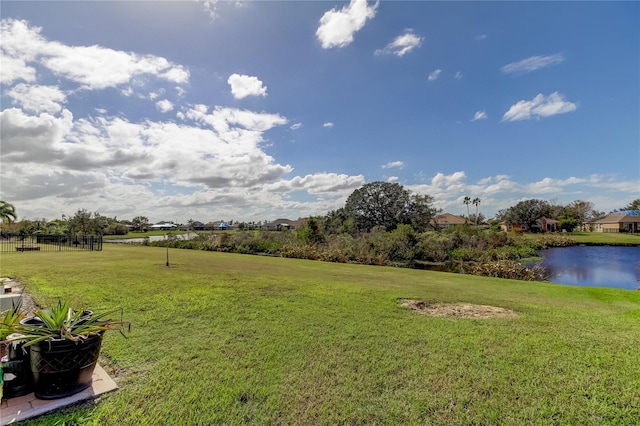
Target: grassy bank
589,238
608,238
230,339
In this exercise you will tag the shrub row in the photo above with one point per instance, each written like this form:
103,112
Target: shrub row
494,252
506,269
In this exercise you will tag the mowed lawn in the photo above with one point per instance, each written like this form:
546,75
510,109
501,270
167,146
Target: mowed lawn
605,238
236,339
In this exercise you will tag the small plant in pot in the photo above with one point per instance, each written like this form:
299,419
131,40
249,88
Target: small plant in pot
14,359
64,345
8,320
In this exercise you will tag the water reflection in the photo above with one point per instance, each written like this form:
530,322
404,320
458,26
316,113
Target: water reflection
601,266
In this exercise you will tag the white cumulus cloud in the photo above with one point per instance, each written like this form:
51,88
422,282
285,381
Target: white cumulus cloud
532,64
328,124
337,27
245,85
393,164
164,105
38,98
434,75
93,67
550,185
211,7
402,44
540,106
480,115
318,183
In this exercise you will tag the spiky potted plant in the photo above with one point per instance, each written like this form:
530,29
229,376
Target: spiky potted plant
64,347
8,320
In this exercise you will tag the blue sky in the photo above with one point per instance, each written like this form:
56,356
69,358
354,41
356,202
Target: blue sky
257,110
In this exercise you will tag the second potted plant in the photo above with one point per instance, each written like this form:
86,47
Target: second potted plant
15,359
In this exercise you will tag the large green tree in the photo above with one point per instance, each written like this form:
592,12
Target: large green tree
140,223
388,205
634,205
338,222
85,222
311,232
526,212
81,222
575,214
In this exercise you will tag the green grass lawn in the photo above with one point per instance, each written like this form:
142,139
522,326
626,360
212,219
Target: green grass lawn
605,238
596,238
236,339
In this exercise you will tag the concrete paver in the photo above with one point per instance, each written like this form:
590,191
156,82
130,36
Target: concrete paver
28,406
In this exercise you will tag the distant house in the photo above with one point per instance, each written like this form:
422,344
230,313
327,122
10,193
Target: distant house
448,220
624,221
542,225
284,225
198,226
163,226
507,227
546,225
221,225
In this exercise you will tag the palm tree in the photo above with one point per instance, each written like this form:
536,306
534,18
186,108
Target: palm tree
7,212
467,201
476,202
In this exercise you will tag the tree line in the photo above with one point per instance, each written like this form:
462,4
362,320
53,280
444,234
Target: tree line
376,205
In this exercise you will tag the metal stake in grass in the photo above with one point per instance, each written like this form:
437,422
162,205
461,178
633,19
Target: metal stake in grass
166,237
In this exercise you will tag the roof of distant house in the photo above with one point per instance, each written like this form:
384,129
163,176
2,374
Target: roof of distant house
450,219
547,220
620,217
164,225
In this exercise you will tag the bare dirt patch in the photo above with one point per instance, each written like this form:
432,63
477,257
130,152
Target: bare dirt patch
457,310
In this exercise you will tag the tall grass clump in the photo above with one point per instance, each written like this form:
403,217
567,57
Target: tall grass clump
506,269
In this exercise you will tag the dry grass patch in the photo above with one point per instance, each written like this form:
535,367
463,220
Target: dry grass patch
458,310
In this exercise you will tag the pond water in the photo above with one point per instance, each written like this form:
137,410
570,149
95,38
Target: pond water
151,238
597,266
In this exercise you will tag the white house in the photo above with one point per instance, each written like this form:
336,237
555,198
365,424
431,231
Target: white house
163,227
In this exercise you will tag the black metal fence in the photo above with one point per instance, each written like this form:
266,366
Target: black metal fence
21,243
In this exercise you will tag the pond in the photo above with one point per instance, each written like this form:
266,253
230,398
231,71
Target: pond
597,266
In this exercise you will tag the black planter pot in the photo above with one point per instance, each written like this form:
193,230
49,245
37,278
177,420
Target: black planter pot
63,367
86,316
17,352
32,321
18,379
